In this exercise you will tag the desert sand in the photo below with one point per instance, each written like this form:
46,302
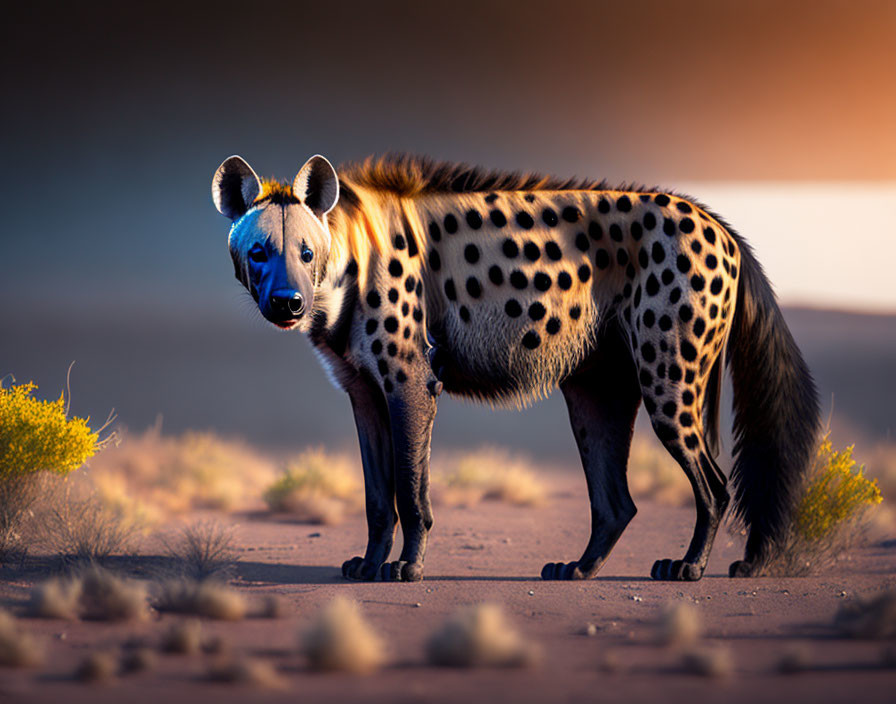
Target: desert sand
494,552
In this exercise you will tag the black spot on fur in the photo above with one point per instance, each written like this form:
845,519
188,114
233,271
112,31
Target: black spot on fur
595,231
674,372
638,296
400,376
553,326
373,299
624,204
582,243
474,288
418,314
464,313
683,207
518,279
689,376
531,340
450,290
435,261
513,308
649,318
642,258
471,253
652,287
531,251
615,232
435,233
564,281
683,263
537,311
495,275
552,250
392,349
715,288
382,366
529,198
698,282
474,219
584,273
497,217
391,324
687,397
665,323
686,225
669,226
711,261
661,370
713,311
405,309
670,409
376,347
410,283
661,199
675,295
603,206
399,242
685,313
621,257
450,224
393,295
575,312
395,268
696,247
637,231
649,221
371,326
571,213
549,217
510,249
541,281
524,220
699,327
648,354
688,351
667,277
602,259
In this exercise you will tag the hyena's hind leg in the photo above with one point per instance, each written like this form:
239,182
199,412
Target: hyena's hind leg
675,409
602,399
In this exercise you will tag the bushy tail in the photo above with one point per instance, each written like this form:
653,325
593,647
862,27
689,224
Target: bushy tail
776,414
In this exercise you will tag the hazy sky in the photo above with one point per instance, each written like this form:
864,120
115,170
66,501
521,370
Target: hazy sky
115,117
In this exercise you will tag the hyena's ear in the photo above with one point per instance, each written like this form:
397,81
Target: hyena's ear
317,185
234,187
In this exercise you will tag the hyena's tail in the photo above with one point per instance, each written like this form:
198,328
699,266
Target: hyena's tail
776,416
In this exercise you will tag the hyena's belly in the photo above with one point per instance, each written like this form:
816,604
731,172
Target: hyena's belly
511,350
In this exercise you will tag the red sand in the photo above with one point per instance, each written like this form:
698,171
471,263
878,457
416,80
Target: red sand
494,552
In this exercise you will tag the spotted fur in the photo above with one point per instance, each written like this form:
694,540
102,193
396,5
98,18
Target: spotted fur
501,287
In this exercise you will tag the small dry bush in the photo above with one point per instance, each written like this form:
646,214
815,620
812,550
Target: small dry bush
830,516
18,648
97,668
246,671
340,639
183,638
155,476
203,549
479,636
708,661
93,594
489,473
209,599
36,438
655,476
317,487
871,619
679,625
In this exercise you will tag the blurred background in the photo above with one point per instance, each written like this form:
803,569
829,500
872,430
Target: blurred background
781,116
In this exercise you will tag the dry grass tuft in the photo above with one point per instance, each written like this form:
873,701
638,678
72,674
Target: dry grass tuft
247,671
489,473
340,639
209,598
57,598
480,636
107,597
679,625
97,668
94,594
317,487
83,531
204,549
18,648
708,661
653,474
873,619
140,659
271,606
183,638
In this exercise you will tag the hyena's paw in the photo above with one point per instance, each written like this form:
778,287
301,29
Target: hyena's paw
401,571
676,571
562,571
742,568
359,569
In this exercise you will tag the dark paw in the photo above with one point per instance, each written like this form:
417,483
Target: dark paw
401,571
676,571
562,571
741,568
358,568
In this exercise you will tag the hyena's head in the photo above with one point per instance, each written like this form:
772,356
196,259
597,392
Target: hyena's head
279,238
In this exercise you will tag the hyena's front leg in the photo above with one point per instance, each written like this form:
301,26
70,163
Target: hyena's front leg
374,436
412,409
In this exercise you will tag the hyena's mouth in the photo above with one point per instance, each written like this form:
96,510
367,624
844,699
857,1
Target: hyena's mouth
286,325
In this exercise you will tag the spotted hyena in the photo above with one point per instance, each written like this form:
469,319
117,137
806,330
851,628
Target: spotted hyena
411,277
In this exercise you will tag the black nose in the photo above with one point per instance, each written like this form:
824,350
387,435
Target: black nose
288,306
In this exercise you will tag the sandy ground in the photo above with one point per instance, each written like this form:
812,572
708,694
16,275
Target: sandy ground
494,552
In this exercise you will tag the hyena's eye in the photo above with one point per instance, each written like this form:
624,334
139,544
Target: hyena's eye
257,254
307,255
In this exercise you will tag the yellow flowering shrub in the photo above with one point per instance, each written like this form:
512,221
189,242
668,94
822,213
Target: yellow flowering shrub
36,435
837,491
